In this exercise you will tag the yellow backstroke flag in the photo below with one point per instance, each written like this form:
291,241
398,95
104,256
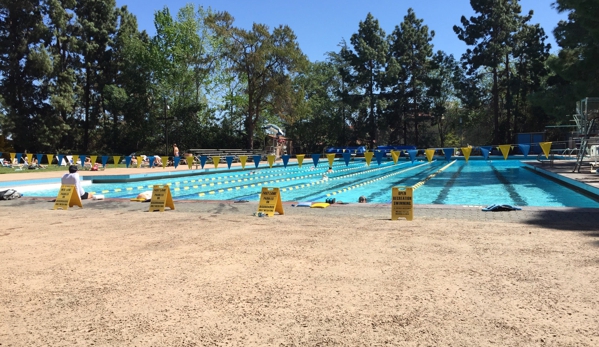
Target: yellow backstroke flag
300,159
395,156
430,153
140,159
12,158
30,158
331,158
215,161
368,157
50,158
75,159
116,159
243,159
505,150
546,147
466,151
271,159
93,158
164,161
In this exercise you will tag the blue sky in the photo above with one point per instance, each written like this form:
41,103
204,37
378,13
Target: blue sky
321,25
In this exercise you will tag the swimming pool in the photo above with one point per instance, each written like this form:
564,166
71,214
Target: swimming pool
477,182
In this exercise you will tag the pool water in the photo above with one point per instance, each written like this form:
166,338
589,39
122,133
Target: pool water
476,182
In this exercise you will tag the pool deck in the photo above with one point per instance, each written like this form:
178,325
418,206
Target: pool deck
43,176
556,217
562,170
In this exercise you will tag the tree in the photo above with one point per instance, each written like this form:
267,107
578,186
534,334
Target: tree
264,61
410,46
96,25
367,61
23,60
491,33
444,78
578,59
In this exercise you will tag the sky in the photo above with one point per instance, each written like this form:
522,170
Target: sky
321,25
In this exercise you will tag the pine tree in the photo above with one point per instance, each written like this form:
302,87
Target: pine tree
367,61
96,25
23,62
491,34
578,60
410,46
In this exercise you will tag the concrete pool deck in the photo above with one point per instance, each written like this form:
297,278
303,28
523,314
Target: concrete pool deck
585,218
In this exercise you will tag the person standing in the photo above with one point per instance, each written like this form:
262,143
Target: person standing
72,178
175,150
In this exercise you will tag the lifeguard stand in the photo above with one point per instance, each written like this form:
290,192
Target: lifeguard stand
587,114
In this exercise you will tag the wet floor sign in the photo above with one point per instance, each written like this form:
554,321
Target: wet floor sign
67,197
270,202
161,198
402,204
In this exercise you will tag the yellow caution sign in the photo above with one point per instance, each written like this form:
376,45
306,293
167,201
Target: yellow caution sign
161,198
67,197
270,202
402,204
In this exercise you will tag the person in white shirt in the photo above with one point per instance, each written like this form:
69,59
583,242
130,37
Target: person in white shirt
72,178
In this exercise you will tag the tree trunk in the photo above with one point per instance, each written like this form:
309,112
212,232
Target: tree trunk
508,97
496,139
87,101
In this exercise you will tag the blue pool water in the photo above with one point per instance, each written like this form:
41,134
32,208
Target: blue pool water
476,182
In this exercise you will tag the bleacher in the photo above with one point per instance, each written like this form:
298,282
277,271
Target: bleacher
224,152
354,150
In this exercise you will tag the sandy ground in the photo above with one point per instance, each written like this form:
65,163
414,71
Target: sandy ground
211,274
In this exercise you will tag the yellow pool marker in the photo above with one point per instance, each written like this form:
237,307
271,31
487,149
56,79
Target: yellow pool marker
402,204
270,202
161,198
66,198
546,147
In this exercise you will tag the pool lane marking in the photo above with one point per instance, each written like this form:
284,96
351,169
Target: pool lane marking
421,183
447,187
306,185
282,171
375,180
514,195
355,166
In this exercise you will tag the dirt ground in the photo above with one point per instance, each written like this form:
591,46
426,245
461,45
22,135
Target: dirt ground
214,275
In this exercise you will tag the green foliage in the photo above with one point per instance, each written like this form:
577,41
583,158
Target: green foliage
512,53
79,75
366,73
411,50
263,62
